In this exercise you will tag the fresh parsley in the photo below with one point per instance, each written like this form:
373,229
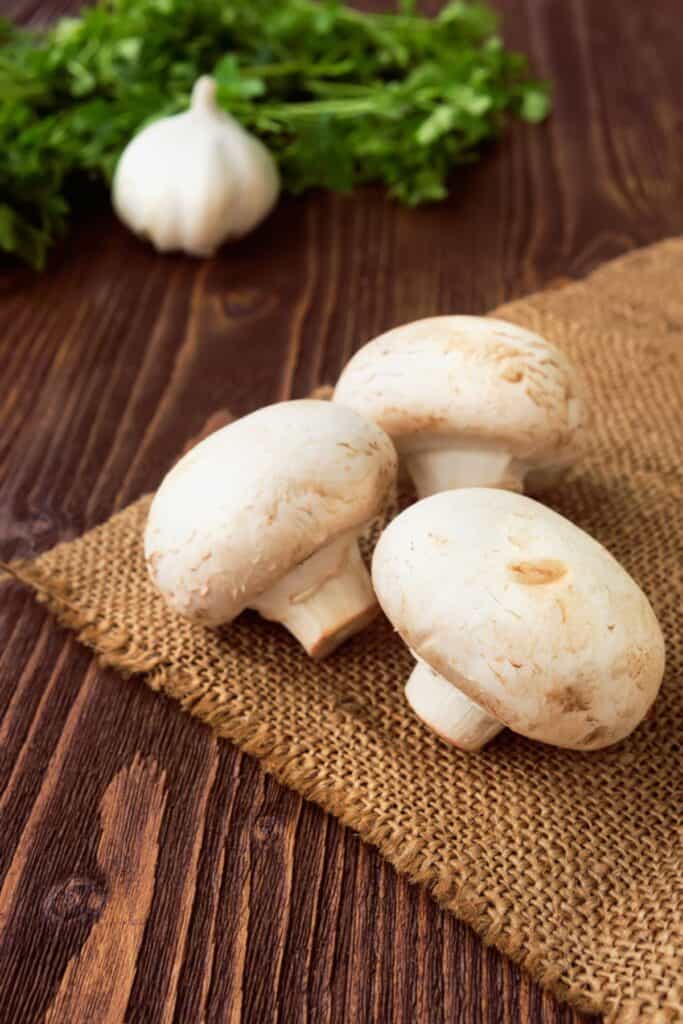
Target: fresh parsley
339,96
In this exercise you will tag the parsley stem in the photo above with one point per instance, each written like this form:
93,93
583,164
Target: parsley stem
342,108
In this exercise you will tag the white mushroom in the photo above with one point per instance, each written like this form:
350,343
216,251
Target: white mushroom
469,401
516,618
265,514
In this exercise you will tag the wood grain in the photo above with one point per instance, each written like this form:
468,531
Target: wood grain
148,872
97,982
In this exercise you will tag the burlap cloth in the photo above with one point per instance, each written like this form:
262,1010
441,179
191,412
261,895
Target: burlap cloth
570,863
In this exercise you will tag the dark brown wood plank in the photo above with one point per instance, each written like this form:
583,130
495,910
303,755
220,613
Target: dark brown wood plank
147,871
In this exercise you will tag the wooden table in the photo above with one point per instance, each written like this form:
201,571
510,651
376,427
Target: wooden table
149,871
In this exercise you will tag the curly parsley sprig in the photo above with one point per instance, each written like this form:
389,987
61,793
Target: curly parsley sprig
340,97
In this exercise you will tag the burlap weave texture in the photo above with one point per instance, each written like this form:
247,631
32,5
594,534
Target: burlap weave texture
570,863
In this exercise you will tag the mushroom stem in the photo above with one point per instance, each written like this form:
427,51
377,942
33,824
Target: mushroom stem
447,469
447,711
324,599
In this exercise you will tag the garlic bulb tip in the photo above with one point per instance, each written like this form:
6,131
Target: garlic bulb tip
204,94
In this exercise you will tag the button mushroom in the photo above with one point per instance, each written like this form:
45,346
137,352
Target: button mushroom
516,618
265,514
469,401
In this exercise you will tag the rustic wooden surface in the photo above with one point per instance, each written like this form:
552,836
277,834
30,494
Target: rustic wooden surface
147,871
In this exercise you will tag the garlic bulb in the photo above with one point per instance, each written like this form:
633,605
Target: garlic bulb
194,180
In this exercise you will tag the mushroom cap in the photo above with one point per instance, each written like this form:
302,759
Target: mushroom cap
258,497
474,378
527,615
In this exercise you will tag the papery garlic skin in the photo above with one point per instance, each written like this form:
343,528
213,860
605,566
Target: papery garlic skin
192,181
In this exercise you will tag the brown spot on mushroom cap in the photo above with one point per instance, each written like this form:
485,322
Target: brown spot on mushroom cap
512,375
599,734
569,698
411,422
538,571
635,664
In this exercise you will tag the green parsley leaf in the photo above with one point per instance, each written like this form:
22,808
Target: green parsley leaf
339,96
